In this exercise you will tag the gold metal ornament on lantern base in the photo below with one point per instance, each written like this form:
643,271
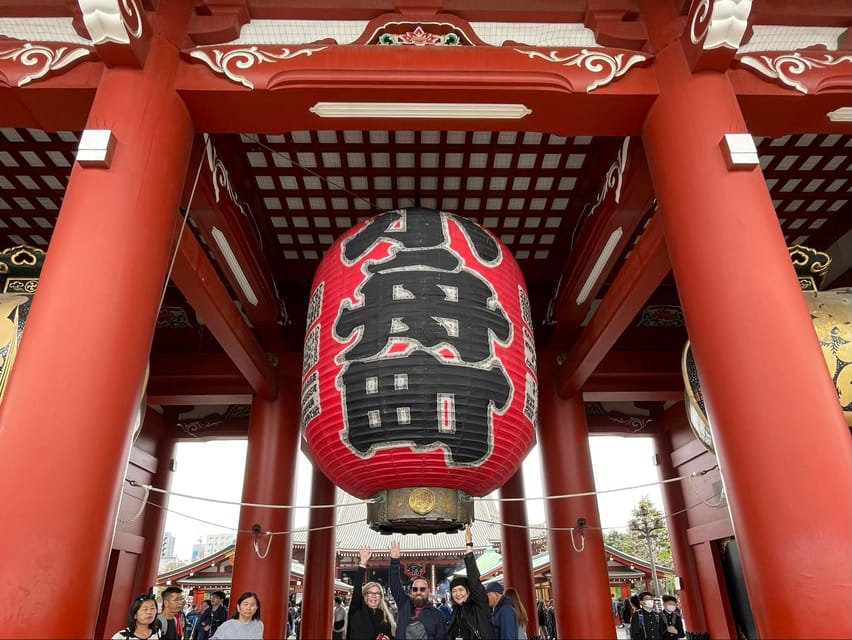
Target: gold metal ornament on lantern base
831,313
419,510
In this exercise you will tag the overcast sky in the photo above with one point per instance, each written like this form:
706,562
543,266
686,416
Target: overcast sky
215,470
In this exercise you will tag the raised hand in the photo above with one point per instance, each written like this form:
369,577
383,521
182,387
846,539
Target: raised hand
393,547
366,554
468,536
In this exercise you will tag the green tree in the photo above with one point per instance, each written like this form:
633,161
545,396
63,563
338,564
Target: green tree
646,527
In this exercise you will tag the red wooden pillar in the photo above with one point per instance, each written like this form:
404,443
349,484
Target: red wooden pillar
517,556
580,580
155,514
780,437
317,600
155,517
262,563
77,380
684,563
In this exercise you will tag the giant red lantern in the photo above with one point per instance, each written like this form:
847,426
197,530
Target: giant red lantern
419,386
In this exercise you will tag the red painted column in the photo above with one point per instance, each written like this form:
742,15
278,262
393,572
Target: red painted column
155,517
684,563
273,442
580,581
781,440
80,371
517,556
317,601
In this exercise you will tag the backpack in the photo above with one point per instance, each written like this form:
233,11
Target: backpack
415,630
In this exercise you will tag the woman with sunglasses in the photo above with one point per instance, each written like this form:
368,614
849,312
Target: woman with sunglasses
369,616
141,620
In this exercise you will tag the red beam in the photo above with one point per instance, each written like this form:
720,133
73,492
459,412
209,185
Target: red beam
624,197
196,379
213,206
198,281
641,275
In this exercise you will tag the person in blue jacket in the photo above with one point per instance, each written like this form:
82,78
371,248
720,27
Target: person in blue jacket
503,616
417,618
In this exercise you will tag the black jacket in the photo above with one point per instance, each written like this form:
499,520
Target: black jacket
472,620
363,622
646,625
674,619
430,617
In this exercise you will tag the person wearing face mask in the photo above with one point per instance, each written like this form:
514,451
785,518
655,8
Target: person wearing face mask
646,624
672,620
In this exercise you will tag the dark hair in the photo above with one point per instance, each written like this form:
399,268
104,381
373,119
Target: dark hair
642,595
245,596
634,601
220,594
169,590
135,605
669,599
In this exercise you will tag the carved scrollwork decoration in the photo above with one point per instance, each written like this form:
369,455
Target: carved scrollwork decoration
43,59
219,174
720,23
112,20
228,62
195,427
792,69
614,177
608,66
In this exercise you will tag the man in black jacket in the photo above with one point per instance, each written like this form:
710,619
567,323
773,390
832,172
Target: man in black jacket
417,618
672,620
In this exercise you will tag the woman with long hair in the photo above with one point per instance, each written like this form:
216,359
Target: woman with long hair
515,597
141,620
369,616
245,623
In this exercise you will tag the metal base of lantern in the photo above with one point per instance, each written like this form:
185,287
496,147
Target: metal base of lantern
419,510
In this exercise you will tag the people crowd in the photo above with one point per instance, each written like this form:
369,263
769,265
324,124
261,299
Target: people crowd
473,611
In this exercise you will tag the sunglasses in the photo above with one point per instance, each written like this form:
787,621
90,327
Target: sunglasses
416,589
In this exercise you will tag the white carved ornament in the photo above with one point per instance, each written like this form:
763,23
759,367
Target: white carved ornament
613,66
223,61
724,21
219,174
44,58
112,20
784,67
614,177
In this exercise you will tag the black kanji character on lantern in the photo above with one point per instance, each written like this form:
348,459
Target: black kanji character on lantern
422,296
417,228
412,400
